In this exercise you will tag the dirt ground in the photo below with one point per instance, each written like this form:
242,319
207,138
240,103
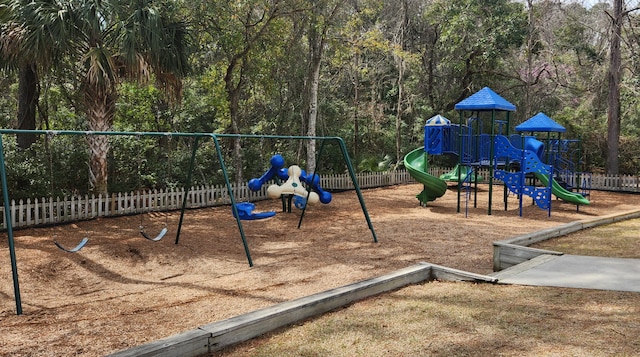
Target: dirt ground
122,290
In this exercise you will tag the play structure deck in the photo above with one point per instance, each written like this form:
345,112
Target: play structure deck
526,165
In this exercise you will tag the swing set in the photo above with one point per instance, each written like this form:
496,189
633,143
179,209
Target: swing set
197,137
85,240
48,139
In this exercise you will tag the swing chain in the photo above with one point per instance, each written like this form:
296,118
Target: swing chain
55,219
141,226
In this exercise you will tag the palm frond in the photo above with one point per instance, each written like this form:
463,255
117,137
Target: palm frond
99,66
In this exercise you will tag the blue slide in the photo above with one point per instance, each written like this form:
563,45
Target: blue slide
535,165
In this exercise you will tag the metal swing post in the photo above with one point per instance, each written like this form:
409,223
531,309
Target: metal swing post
7,219
352,173
234,207
187,185
309,184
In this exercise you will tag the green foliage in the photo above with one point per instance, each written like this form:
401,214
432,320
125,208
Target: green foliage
557,64
471,38
629,154
160,163
8,101
53,166
591,130
135,110
373,164
28,176
207,101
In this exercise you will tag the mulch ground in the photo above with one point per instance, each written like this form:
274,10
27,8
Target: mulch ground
122,290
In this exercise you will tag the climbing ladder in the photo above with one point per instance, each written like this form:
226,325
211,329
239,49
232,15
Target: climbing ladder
515,181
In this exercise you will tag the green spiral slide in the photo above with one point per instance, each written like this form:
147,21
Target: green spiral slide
415,162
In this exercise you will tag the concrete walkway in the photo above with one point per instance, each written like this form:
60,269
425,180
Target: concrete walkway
574,271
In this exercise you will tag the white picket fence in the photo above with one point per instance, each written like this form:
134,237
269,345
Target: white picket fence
602,182
46,211
623,183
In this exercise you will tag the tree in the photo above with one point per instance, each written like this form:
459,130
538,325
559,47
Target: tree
560,59
104,43
239,32
613,101
401,64
321,20
614,76
12,36
472,39
27,102
359,38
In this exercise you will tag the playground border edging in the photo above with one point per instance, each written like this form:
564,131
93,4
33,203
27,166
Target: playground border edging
218,335
514,251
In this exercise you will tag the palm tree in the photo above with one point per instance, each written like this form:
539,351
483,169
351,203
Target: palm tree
104,42
11,59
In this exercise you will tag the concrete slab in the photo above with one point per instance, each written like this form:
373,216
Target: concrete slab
574,271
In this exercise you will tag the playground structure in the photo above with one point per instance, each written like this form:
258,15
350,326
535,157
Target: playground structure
237,210
292,188
525,165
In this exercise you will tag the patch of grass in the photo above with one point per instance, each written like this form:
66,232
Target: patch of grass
617,240
462,319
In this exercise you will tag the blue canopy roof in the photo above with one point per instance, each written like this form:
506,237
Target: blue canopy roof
541,123
485,99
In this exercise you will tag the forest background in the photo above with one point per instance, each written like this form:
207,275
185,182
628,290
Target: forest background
369,71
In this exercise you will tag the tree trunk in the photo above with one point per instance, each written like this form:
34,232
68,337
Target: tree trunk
401,65
430,64
237,144
313,113
356,105
317,38
528,111
101,105
233,95
316,42
27,101
613,100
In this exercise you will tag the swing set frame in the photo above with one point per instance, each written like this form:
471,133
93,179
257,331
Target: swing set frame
197,138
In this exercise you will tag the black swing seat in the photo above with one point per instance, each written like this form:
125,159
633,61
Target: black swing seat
80,245
157,238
